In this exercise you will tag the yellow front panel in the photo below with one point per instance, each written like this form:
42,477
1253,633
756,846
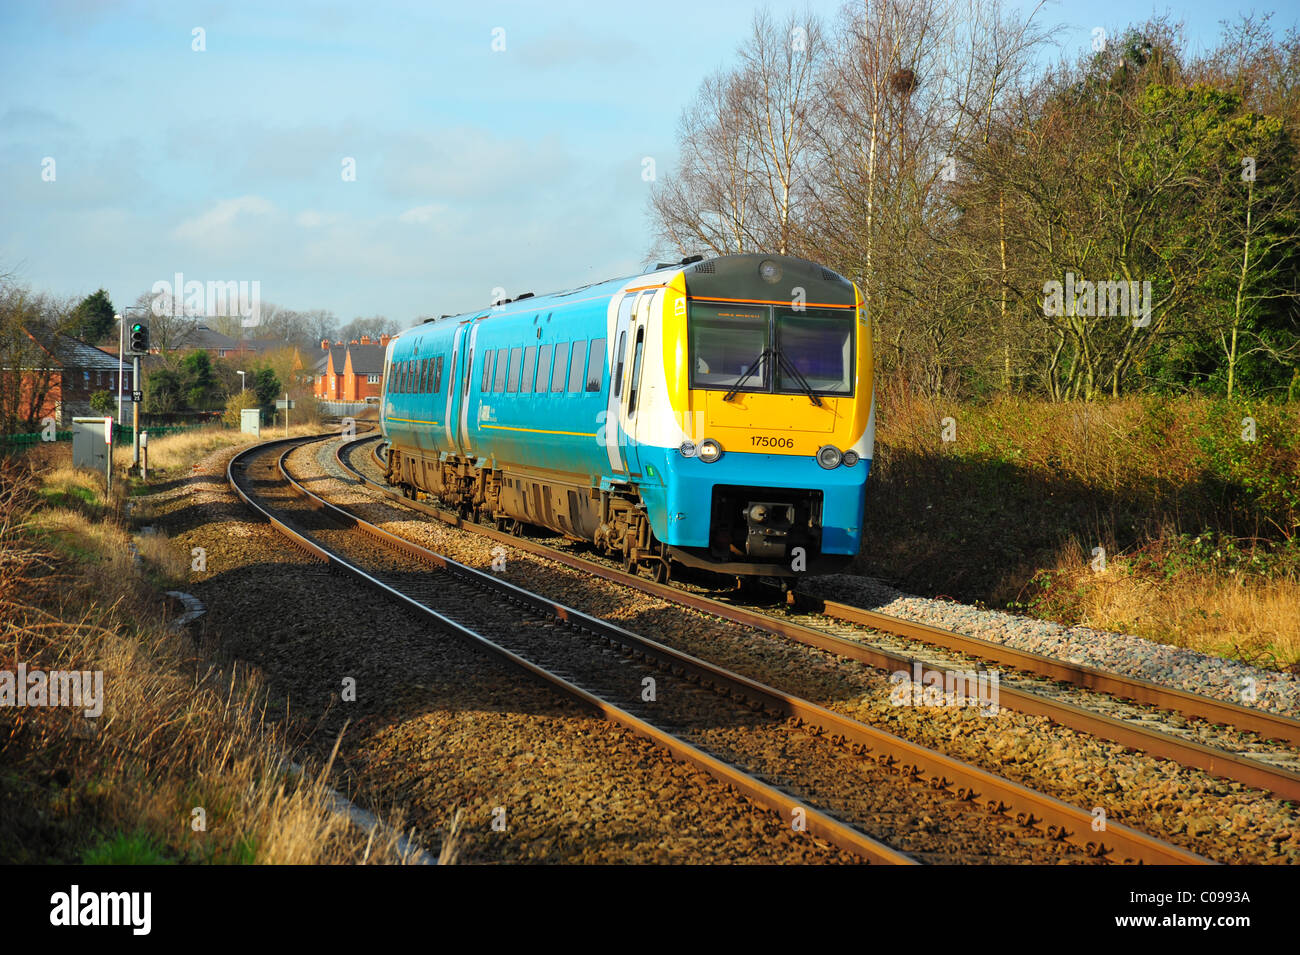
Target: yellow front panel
763,423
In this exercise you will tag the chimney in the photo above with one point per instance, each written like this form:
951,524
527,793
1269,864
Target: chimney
325,344
354,342
384,340
365,339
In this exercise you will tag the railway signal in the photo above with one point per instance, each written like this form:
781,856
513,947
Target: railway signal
139,339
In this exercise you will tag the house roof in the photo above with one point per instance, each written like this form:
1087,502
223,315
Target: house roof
69,352
200,336
366,359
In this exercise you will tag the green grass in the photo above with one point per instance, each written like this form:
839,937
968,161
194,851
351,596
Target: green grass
136,848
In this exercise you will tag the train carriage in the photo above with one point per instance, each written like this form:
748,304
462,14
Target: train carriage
717,413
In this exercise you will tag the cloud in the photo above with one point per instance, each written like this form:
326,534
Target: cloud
569,46
216,225
22,117
311,219
423,215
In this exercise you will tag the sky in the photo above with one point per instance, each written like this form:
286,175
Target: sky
521,167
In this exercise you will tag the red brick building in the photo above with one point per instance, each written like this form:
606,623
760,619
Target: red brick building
55,376
350,372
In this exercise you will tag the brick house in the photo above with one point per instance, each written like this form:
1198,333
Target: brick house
352,371
56,376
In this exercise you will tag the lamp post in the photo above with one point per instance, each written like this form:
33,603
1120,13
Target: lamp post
241,381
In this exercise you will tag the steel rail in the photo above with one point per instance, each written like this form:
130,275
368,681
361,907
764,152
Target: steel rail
1282,782
817,823
1032,808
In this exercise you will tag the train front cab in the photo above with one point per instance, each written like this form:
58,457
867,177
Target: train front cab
770,379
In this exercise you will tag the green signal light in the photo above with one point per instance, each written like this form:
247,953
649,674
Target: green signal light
137,327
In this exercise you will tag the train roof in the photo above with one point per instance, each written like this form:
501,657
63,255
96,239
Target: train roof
744,276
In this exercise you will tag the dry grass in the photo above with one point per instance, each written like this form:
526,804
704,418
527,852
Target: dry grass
178,731
1008,515
175,453
1245,617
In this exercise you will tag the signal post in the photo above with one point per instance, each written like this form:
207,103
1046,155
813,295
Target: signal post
139,347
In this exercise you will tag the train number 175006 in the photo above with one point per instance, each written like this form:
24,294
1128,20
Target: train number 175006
763,441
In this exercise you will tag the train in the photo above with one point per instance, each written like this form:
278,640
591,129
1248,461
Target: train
716,413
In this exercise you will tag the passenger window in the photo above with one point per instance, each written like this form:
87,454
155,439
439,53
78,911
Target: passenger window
561,366
499,381
530,367
437,376
618,371
516,359
487,371
543,368
595,364
576,365
424,376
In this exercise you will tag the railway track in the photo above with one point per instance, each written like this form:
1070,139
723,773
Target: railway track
884,798
1225,739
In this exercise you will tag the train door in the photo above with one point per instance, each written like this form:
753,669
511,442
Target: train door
637,333
615,436
449,409
467,379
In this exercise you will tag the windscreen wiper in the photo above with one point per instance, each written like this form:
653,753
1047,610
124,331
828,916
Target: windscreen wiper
794,373
730,395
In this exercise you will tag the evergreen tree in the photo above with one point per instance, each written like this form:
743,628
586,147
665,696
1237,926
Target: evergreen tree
94,318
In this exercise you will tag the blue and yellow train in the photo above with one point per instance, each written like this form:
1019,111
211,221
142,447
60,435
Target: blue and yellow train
715,413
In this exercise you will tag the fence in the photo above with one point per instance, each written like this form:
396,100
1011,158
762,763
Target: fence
123,435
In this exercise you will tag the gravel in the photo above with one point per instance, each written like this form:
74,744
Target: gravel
437,727
1217,818
1123,653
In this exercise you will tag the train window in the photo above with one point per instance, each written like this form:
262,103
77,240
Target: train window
423,385
635,383
543,368
406,373
818,344
728,345
595,364
437,376
577,365
618,371
561,366
487,371
499,377
516,360
530,368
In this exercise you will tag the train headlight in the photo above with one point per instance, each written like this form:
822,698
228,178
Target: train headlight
828,456
687,449
709,451
850,458
769,272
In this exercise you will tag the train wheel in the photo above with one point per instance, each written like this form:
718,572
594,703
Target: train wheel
663,570
503,524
